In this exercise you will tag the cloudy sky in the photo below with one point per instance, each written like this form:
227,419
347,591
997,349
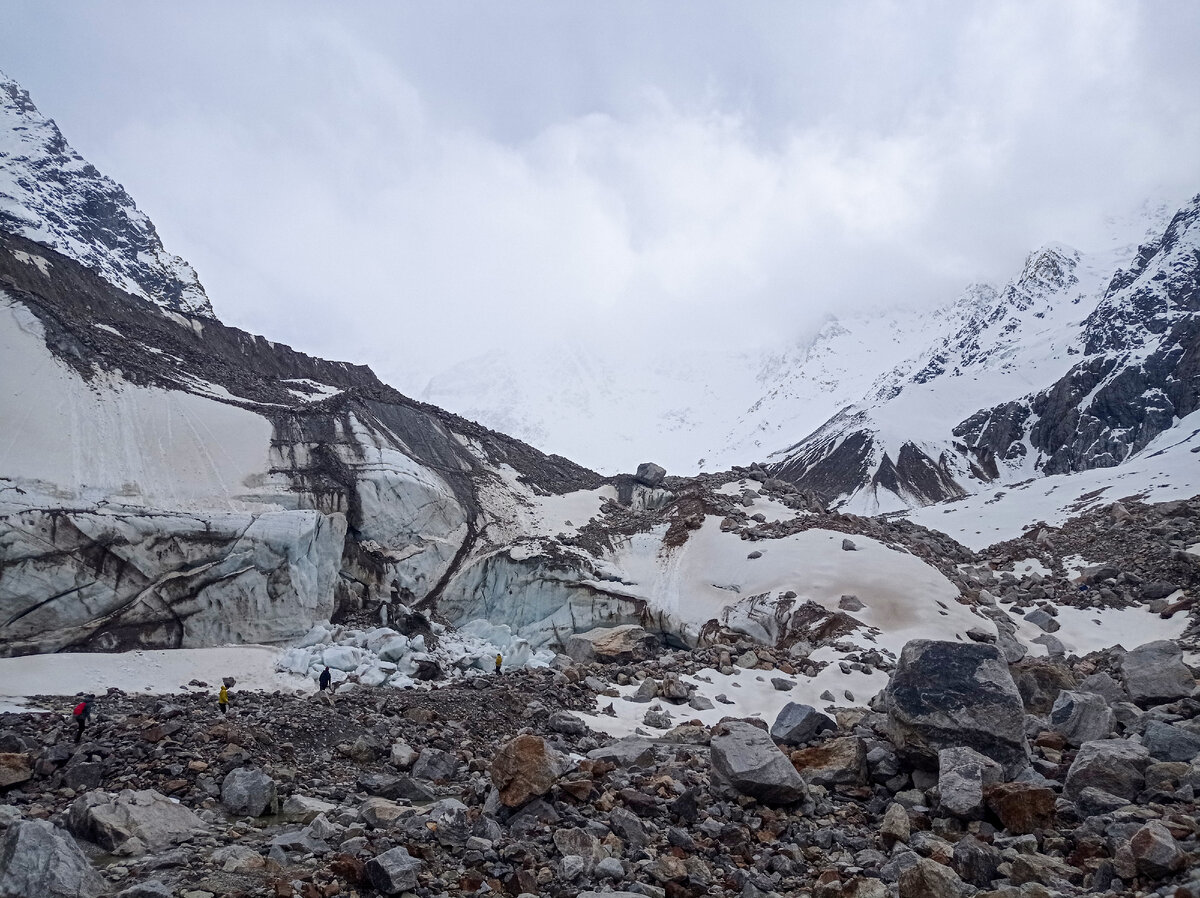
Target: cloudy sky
408,184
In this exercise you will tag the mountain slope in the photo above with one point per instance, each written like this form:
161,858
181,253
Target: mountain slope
1069,367
49,193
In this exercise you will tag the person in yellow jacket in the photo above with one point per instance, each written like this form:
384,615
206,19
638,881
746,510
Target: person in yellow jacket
499,661
223,699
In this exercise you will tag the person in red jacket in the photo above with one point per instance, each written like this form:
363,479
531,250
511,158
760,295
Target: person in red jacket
83,713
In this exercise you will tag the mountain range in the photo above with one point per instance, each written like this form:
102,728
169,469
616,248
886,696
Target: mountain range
167,480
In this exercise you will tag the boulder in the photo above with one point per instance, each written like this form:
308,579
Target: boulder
392,786
963,774
132,822
380,813
304,809
1167,742
1116,766
1103,684
38,859
1155,851
632,751
1040,680
746,760
835,762
620,645
1022,807
1039,617
951,694
1155,673
929,879
14,769
976,862
435,765
797,723
248,792
650,474
896,827
1081,717
524,768
393,871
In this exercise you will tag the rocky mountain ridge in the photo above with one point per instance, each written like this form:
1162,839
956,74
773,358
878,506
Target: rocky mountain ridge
51,194
1114,350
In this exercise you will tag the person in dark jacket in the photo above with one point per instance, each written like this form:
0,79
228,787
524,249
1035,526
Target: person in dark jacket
83,713
324,679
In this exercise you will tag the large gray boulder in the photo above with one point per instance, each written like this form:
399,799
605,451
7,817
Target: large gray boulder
393,871
797,723
746,760
38,860
1081,717
950,695
962,775
248,792
1167,742
622,644
650,474
1115,766
1155,673
132,822
435,765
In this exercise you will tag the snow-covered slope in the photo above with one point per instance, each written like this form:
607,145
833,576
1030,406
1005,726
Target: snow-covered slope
1075,364
50,194
687,408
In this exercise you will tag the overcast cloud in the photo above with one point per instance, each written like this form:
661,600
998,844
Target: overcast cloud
409,184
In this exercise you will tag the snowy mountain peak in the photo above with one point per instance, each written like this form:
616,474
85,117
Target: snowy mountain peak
52,195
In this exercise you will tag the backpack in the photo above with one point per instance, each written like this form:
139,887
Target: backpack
80,709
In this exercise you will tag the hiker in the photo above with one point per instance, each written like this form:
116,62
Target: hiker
499,661
83,713
223,699
326,676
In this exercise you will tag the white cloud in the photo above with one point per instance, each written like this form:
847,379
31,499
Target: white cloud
407,187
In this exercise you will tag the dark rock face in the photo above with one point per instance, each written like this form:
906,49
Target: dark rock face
948,695
57,197
1140,373
746,760
37,858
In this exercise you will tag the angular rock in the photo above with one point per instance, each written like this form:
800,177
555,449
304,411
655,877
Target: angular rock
1116,766
650,474
1022,807
1155,851
394,871
1103,684
621,645
949,695
435,765
745,759
132,820
976,862
797,723
1081,717
38,859
14,769
929,879
835,762
1167,742
896,827
304,809
963,773
632,751
248,792
390,786
524,768
1040,680
1040,618
381,813
1155,673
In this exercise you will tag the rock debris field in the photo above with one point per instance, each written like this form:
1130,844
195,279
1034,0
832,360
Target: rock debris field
965,776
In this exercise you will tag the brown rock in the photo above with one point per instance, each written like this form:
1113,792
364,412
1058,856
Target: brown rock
524,768
929,879
1022,807
1155,851
836,762
14,769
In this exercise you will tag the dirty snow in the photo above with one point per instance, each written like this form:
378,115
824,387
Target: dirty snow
157,672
